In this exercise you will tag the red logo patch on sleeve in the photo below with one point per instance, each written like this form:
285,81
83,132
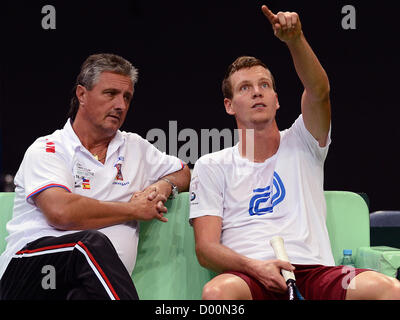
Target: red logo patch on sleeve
50,147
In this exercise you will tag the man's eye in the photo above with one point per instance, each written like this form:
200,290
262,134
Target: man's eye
110,93
244,88
265,85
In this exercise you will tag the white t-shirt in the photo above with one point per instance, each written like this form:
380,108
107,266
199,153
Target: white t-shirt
282,196
60,160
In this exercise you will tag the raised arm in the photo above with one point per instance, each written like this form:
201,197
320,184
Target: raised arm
315,102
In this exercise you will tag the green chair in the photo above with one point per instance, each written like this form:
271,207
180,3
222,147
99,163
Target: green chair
347,221
166,266
6,210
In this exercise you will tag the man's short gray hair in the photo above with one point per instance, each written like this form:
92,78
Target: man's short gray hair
90,72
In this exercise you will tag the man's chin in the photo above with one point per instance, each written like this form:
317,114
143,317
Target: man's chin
110,128
261,118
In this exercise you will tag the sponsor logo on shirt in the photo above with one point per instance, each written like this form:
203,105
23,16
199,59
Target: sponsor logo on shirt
265,199
50,146
194,184
121,183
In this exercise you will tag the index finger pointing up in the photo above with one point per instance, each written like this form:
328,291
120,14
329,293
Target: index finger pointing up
268,13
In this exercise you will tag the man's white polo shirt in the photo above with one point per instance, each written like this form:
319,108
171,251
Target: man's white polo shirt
60,160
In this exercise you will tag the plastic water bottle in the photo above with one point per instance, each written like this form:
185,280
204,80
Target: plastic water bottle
347,259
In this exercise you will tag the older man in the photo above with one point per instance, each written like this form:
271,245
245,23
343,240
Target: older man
80,193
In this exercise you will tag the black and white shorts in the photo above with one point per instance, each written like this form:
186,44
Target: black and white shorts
82,265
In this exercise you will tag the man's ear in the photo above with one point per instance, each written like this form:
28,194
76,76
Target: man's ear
228,106
277,102
81,94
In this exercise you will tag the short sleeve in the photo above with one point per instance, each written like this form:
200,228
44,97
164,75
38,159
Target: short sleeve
43,167
299,129
206,190
158,164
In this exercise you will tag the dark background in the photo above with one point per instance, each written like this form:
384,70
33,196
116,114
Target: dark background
182,49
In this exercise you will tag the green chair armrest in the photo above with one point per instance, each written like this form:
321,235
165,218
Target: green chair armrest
383,259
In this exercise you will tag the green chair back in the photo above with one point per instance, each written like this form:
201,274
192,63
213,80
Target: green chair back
347,222
6,211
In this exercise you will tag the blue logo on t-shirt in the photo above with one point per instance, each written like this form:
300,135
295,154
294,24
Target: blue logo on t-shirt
258,205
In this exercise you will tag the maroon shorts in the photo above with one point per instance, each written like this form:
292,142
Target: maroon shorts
315,282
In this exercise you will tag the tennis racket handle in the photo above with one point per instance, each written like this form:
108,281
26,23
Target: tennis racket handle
279,248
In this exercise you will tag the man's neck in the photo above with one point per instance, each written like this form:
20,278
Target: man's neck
94,141
259,144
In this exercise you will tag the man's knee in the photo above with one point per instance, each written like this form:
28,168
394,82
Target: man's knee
212,291
393,289
98,244
374,285
95,238
226,287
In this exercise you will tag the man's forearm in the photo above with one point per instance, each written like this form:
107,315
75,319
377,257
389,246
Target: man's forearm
308,67
315,101
180,178
287,27
220,258
69,211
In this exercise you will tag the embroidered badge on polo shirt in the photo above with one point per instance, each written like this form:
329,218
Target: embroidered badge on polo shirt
119,179
119,172
82,176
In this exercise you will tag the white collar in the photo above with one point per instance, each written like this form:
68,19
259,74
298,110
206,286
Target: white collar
114,144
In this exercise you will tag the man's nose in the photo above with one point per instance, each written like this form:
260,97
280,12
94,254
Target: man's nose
120,102
257,92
